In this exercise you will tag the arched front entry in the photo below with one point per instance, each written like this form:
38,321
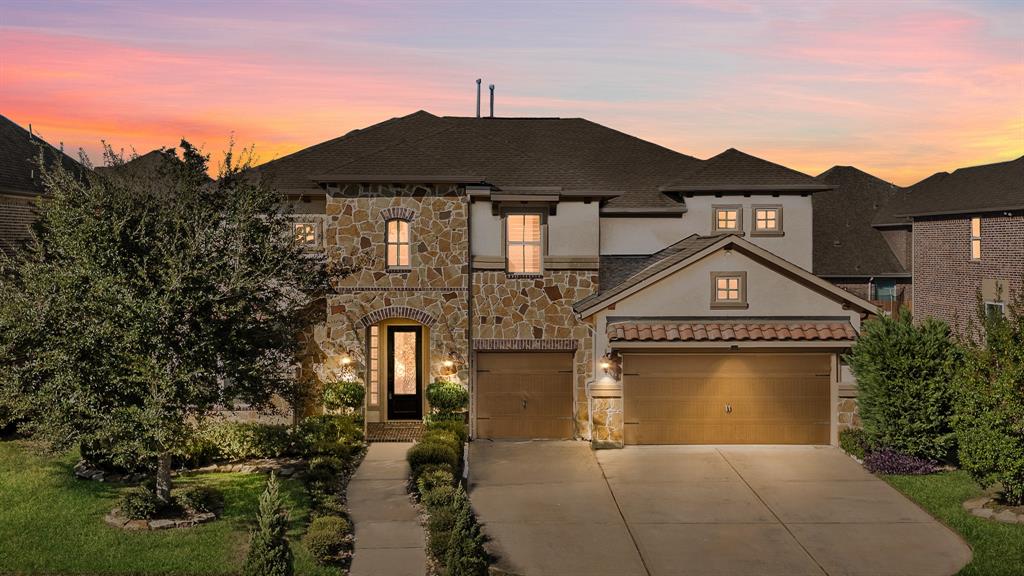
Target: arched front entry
398,370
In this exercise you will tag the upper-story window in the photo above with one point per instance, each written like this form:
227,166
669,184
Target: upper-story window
305,233
398,243
975,238
728,289
727,218
524,244
767,220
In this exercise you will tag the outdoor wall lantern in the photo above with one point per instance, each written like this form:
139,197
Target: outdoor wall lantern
611,364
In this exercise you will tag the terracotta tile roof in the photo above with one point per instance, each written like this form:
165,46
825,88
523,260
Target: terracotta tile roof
726,330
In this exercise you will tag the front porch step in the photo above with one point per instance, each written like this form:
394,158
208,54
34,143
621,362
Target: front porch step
394,431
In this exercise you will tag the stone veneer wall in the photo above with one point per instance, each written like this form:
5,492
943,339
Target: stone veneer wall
433,291
946,280
540,309
848,409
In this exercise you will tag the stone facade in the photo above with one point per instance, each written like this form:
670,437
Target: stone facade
538,311
947,281
432,291
848,412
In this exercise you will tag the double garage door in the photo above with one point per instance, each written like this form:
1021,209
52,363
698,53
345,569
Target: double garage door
747,398
524,395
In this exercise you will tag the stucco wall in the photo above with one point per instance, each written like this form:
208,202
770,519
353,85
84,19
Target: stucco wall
648,235
572,231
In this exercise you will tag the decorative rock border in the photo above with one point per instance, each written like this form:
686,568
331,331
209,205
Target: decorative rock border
978,507
118,520
87,471
284,467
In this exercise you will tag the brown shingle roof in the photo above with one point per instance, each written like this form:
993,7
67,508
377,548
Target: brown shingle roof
994,187
845,241
735,170
708,330
18,152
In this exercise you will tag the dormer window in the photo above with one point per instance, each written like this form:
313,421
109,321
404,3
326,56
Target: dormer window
727,219
524,243
305,233
975,238
767,220
398,244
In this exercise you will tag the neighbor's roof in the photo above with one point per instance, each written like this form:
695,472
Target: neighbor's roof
716,329
991,187
733,170
566,153
845,241
19,173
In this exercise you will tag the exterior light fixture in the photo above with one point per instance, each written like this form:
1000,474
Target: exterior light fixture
347,358
448,363
610,364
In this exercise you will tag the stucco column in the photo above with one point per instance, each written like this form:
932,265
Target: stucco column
605,396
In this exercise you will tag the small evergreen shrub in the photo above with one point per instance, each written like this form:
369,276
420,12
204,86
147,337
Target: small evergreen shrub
139,503
447,397
269,553
440,497
221,441
424,453
892,462
903,373
430,479
439,531
325,538
327,464
466,555
344,394
457,427
330,435
854,441
989,418
199,499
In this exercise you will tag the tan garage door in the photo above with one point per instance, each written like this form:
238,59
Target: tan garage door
726,398
524,395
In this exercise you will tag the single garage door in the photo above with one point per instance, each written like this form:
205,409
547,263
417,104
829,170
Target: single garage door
524,395
748,398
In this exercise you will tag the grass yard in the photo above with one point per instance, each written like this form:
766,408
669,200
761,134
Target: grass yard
998,548
52,523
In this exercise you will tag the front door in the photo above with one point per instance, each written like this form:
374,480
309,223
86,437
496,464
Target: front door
405,373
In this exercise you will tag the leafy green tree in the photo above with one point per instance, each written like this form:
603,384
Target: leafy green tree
989,416
269,553
903,375
148,298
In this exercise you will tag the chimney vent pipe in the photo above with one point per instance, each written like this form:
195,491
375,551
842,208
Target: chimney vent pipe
478,97
492,99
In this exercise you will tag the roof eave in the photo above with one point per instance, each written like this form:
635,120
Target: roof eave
664,212
979,210
793,188
397,178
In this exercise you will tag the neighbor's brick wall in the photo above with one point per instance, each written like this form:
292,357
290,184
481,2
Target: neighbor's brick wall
17,213
538,309
946,280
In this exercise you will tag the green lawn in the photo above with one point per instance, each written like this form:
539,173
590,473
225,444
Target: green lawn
998,548
51,523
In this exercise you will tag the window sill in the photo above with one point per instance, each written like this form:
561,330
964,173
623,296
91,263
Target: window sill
398,270
729,306
768,234
526,275
726,232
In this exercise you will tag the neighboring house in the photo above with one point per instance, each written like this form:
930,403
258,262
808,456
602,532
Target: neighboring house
968,240
20,181
580,281
858,243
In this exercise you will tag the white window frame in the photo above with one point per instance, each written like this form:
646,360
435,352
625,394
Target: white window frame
715,209
389,242
975,246
540,243
1000,305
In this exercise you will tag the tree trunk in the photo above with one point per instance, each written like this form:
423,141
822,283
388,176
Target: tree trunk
163,477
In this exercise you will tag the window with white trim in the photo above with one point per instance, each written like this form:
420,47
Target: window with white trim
305,233
975,238
524,244
398,243
727,219
995,308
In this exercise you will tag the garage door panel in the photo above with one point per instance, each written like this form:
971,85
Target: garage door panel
524,395
682,398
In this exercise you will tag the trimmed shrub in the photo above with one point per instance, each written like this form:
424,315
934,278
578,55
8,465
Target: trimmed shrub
447,397
903,373
269,553
347,394
989,417
430,479
854,441
328,464
892,462
330,435
424,453
139,503
456,427
230,441
440,497
199,499
325,538
439,531
466,555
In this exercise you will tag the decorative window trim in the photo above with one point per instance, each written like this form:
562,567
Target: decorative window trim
398,266
540,212
975,243
779,230
307,228
717,304
398,213
739,218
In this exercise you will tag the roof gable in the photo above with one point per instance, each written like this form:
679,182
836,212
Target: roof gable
990,187
733,170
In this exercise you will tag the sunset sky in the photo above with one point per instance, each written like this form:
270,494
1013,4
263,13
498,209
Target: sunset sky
899,89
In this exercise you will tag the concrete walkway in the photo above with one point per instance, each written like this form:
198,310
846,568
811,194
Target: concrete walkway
389,538
558,508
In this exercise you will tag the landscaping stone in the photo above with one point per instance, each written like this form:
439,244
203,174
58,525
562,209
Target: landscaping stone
116,519
1006,516
136,525
981,507
161,524
983,512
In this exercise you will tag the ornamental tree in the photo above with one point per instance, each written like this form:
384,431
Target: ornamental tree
149,296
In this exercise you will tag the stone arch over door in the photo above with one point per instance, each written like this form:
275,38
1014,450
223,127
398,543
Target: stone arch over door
390,312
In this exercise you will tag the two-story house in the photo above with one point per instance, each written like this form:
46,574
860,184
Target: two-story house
968,240
581,282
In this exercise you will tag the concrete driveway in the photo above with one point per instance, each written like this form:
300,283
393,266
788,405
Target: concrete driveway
560,509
